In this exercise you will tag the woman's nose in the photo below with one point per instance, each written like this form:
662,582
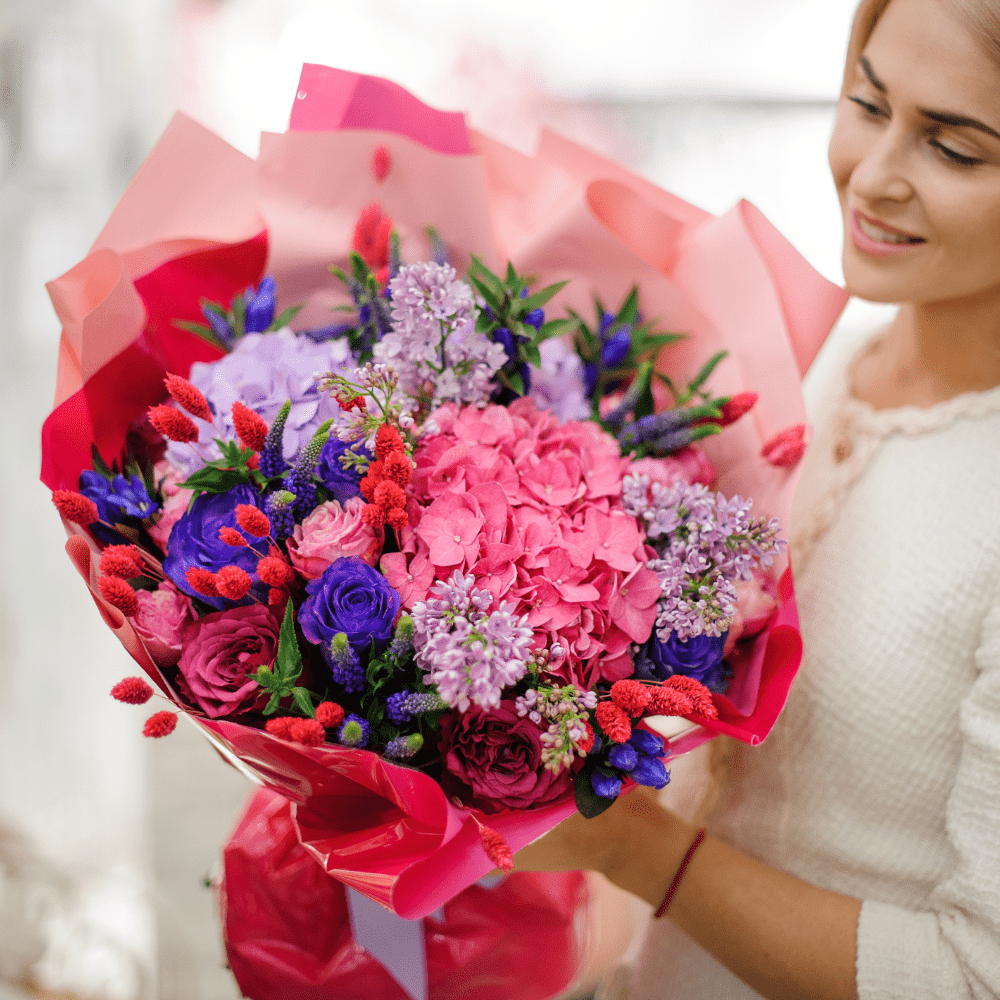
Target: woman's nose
883,172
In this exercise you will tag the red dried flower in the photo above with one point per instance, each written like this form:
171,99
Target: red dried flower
371,235
202,581
701,697
253,520
630,696
233,583
329,714
387,440
740,404
786,447
232,537
349,404
75,507
275,597
308,732
587,743
397,518
669,701
497,849
279,727
251,427
172,424
613,721
184,394
374,515
119,595
381,161
274,572
122,560
389,495
398,468
132,691
160,724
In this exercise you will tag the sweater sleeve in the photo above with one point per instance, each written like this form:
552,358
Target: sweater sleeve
952,949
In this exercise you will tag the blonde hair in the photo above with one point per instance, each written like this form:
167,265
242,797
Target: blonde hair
981,17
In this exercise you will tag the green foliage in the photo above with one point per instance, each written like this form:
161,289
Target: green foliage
280,679
221,474
366,291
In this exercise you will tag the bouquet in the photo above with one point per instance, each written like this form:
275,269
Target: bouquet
367,493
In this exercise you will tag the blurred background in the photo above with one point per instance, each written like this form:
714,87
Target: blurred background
107,840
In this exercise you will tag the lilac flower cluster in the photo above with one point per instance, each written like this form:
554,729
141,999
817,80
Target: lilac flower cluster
468,654
705,544
404,706
433,344
263,371
567,710
559,384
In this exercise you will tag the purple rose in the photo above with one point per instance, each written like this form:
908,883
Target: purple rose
221,652
699,657
495,757
194,541
341,483
352,598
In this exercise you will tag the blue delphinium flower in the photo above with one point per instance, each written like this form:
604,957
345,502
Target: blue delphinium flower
606,785
640,758
260,306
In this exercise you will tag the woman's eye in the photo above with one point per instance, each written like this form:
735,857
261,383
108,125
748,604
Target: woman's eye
870,109
953,156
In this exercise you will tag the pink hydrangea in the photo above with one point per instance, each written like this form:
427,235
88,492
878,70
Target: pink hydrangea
175,502
690,464
163,616
333,532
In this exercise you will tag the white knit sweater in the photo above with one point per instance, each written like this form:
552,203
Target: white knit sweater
881,780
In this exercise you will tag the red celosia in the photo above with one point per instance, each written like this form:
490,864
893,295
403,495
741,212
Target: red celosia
274,572
184,394
669,701
740,404
381,161
329,714
630,696
350,403
701,697
387,440
370,481
160,724
308,732
275,597
121,560
233,583
613,721
374,515
398,468
397,518
75,507
232,537
371,235
253,520
172,424
251,427
497,849
389,495
119,595
587,743
202,581
786,447
279,727
132,691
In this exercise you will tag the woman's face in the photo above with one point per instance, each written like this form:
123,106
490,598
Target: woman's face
915,156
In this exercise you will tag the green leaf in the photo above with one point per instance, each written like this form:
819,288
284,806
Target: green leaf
515,383
651,340
588,801
289,662
359,269
511,273
532,353
264,677
214,307
645,404
200,330
628,312
699,380
556,328
239,315
213,480
542,296
485,275
492,300
303,701
285,317
100,465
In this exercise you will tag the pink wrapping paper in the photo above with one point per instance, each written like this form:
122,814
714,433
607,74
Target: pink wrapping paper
180,233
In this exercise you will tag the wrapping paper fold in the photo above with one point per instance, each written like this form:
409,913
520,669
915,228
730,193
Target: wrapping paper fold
180,233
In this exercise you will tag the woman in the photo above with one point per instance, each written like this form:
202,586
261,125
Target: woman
857,852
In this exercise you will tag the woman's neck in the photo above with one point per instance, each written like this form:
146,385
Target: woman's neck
931,352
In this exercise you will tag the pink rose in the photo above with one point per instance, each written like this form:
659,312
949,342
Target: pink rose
495,759
221,652
332,532
755,606
163,615
175,502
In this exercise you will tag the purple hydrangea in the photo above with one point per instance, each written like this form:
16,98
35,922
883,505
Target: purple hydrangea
262,372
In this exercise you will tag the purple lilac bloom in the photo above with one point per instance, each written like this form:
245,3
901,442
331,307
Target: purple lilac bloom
705,543
469,655
403,706
262,372
559,384
434,339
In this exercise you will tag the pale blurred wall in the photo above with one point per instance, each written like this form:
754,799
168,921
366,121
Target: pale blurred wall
716,100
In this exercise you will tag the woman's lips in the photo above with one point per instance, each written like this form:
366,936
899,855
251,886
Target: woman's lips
874,238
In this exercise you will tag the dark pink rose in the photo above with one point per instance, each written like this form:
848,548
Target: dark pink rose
496,759
221,652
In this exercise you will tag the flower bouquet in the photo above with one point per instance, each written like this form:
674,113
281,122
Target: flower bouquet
363,488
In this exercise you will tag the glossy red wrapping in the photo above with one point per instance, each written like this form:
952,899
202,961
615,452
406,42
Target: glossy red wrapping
289,936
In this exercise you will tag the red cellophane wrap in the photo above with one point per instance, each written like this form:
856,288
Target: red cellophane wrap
289,934
202,220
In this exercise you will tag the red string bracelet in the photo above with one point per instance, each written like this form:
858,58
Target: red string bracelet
695,844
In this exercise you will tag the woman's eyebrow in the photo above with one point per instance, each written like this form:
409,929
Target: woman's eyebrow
941,117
